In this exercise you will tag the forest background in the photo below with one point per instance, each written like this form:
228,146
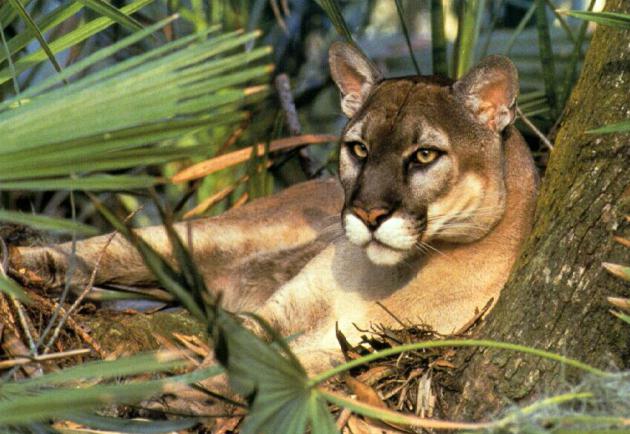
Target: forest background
101,102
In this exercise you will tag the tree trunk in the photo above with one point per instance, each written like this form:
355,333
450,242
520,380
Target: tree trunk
556,297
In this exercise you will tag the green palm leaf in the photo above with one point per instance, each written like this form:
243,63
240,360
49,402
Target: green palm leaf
332,9
620,127
46,23
44,222
612,19
68,40
107,10
10,288
33,400
126,115
19,7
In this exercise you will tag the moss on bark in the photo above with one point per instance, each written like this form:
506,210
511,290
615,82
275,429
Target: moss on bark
138,332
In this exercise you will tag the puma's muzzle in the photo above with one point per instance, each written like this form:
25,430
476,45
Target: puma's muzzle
388,240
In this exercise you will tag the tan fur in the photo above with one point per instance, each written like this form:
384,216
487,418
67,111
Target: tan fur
286,256
442,290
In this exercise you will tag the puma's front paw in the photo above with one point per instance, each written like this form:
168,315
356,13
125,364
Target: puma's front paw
43,267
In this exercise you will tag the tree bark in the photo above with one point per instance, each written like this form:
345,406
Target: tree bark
555,298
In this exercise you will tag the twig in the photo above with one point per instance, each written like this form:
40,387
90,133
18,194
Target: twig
5,256
623,241
25,326
463,329
201,388
230,159
241,200
283,86
535,130
51,306
285,8
72,263
234,136
87,288
278,15
390,313
196,347
7,315
24,323
20,361
401,15
343,418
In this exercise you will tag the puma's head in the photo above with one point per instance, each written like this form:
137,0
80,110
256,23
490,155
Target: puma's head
421,158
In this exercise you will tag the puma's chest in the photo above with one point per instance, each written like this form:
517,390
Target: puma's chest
442,291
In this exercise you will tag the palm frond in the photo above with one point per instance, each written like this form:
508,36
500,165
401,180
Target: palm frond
612,19
127,114
107,10
19,7
68,40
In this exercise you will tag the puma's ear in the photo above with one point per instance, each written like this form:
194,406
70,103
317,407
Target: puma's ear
489,91
354,74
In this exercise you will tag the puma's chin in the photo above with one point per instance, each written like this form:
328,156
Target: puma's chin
380,254
388,246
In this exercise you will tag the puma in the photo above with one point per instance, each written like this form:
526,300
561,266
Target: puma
435,197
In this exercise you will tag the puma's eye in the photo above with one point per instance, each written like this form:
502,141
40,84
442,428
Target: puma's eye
358,149
426,156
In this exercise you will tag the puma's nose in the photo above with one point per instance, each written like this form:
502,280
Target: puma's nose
373,217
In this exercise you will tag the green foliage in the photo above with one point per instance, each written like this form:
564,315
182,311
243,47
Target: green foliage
283,396
68,40
19,7
438,39
546,56
69,130
332,9
46,223
12,289
62,137
57,16
71,391
621,127
612,19
470,13
107,10
88,127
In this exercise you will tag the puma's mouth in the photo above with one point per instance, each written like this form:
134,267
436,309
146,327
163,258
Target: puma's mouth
383,254
389,244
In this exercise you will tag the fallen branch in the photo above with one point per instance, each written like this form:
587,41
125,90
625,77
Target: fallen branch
19,361
224,161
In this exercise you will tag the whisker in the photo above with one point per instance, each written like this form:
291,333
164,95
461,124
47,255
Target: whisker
436,250
485,208
462,229
406,263
422,248
481,209
464,225
428,247
333,225
468,214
